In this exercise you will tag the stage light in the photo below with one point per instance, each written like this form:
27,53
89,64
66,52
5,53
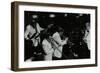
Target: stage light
34,16
52,15
65,15
80,14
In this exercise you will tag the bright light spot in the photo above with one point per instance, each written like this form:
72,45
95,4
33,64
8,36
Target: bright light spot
52,15
34,16
65,15
80,14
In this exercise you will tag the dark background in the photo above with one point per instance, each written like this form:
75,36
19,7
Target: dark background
68,22
72,20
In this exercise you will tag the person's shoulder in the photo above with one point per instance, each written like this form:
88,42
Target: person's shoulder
56,34
28,26
44,41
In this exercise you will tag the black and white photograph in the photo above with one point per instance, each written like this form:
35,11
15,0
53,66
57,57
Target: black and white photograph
53,36
56,36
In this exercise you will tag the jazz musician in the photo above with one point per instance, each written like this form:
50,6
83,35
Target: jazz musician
59,41
31,33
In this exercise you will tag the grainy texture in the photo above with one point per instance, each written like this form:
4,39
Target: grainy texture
14,35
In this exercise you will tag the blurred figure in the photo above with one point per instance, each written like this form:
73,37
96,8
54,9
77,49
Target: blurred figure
47,47
87,34
32,33
59,42
78,48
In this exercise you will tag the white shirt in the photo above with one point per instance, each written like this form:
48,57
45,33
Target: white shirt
87,38
47,49
58,51
47,46
31,31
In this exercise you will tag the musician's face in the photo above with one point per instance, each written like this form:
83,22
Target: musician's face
61,33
